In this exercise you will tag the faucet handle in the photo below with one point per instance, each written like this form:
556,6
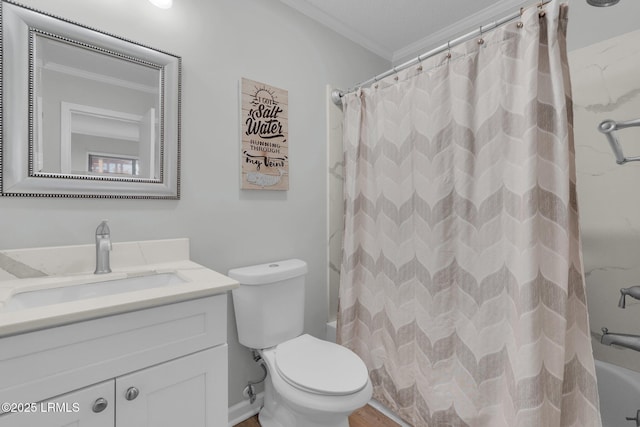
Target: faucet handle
633,291
103,228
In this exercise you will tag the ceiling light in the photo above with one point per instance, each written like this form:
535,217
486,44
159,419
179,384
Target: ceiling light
162,4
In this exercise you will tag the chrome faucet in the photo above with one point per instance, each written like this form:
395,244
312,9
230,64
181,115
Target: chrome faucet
623,340
633,292
103,247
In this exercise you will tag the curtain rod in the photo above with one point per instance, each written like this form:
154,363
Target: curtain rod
337,94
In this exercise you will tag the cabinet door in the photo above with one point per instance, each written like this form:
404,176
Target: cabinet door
188,391
80,408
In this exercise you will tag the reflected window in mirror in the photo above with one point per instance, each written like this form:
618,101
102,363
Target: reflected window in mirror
106,165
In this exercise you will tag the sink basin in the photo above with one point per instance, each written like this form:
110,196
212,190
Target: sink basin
75,292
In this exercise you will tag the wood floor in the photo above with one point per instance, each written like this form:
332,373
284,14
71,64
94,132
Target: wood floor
363,417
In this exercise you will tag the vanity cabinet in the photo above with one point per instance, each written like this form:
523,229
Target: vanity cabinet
183,392
163,367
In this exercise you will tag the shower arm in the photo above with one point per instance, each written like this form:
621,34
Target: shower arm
608,127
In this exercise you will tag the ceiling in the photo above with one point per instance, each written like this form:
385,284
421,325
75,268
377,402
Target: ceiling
399,30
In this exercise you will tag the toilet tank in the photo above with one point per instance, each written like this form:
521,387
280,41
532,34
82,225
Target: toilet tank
269,304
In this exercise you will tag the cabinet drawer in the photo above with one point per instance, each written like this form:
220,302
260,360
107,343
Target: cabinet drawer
71,409
40,364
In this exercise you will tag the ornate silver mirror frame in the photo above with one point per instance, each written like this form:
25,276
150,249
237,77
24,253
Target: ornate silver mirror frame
23,140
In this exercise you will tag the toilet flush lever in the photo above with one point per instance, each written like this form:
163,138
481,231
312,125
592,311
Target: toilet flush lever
103,247
633,292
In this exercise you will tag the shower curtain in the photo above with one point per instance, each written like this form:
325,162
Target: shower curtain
461,281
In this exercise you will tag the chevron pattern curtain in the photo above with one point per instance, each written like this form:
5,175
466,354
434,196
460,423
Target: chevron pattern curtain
461,282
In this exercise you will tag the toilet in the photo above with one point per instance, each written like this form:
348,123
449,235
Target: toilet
310,382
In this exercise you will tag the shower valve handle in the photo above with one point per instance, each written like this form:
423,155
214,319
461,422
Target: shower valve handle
633,291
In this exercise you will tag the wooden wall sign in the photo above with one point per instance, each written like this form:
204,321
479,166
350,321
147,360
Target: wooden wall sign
265,136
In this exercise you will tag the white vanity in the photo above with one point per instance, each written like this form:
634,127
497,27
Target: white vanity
154,356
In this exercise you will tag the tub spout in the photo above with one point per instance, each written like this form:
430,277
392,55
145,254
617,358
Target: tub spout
622,340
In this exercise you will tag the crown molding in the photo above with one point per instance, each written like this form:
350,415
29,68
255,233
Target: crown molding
338,26
102,78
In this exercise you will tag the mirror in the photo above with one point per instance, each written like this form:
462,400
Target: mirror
85,113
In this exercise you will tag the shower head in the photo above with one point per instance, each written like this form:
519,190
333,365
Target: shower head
602,3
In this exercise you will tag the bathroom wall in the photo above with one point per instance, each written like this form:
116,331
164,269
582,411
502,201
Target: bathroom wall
220,42
589,24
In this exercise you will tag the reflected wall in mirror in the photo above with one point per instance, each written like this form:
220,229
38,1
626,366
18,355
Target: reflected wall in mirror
86,113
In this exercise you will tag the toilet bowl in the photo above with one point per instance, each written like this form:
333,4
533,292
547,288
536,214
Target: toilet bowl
309,382
312,383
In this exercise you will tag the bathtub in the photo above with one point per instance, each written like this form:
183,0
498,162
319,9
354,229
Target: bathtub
619,390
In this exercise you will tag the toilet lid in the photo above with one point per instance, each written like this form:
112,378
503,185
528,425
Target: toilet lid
320,367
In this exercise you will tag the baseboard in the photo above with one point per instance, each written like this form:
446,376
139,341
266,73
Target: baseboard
245,410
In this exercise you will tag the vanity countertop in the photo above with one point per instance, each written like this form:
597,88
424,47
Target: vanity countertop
28,270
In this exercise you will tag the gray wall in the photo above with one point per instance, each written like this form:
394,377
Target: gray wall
588,24
220,42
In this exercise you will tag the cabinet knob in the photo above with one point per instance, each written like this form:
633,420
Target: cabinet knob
131,393
100,405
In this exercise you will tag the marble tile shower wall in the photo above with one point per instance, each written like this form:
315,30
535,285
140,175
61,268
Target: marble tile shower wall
606,85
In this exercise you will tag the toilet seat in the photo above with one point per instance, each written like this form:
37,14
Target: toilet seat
320,367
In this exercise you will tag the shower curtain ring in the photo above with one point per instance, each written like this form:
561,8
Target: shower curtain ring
541,12
448,56
520,24
396,74
480,40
